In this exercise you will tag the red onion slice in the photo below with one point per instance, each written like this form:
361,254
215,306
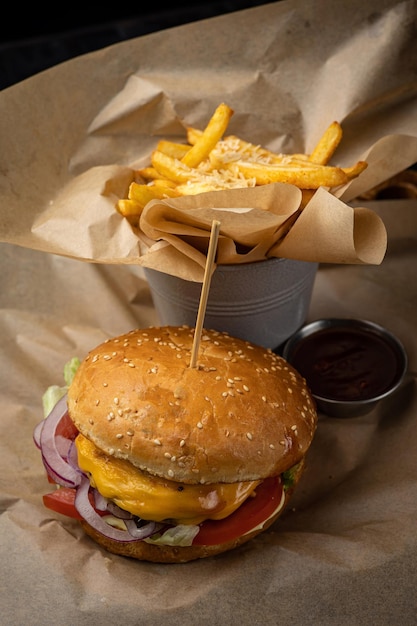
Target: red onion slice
86,510
37,434
116,511
63,473
100,502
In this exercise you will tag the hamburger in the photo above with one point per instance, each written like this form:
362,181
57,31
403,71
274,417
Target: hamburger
164,462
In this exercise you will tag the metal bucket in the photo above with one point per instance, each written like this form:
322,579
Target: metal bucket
263,302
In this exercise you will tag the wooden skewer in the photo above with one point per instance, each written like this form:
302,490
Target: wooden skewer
214,235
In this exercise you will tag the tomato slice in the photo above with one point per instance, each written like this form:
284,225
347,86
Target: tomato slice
250,514
66,427
62,501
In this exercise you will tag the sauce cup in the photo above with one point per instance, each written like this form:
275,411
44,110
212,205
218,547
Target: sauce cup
350,365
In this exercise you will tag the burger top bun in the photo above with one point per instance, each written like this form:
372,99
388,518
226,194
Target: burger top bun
243,413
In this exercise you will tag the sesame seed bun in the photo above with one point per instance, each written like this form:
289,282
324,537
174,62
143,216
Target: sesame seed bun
242,414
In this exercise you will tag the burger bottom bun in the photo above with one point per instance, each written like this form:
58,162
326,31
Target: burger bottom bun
143,551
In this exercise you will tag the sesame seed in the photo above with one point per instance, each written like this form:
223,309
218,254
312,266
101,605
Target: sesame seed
167,455
107,357
246,388
157,442
199,425
116,400
91,421
249,436
97,402
119,436
264,398
170,473
105,384
182,443
130,433
271,445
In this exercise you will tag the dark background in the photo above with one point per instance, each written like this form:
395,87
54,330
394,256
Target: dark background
39,38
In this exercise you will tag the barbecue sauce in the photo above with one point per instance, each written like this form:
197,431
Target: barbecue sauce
346,364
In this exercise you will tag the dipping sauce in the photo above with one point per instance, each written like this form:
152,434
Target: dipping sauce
343,363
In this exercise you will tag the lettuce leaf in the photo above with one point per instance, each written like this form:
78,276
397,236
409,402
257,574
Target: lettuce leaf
56,392
181,535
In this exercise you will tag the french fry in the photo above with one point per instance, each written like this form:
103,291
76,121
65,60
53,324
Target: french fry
140,194
129,207
213,132
148,173
306,196
355,170
210,160
172,149
170,168
302,177
193,134
144,193
327,144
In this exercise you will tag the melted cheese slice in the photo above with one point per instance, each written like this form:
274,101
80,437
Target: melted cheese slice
157,499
